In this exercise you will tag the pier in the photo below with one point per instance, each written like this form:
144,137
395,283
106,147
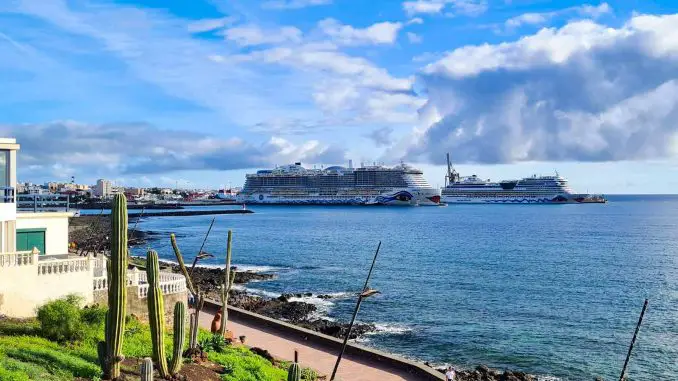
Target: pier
180,213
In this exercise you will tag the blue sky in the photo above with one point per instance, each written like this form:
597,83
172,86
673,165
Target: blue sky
203,91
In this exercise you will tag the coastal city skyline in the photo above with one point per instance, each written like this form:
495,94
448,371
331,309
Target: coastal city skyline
191,95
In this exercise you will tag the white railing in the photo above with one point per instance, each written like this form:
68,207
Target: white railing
23,258
100,283
169,283
62,266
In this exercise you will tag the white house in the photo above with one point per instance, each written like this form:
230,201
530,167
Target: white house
35,265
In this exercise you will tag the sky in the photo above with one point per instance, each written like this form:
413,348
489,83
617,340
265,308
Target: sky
198,93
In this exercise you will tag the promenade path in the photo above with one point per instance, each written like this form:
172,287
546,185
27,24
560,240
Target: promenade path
310,355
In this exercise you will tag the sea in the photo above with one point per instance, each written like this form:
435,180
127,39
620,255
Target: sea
552,290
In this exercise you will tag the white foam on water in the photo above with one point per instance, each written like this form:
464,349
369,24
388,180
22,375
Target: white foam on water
341,295
246,268
323,305
256,291
389,329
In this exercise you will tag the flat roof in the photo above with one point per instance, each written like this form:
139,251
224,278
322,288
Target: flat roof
9,144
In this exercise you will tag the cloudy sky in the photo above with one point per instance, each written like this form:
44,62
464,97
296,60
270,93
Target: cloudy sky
201,92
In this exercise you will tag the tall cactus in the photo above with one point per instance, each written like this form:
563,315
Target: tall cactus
147,370
198,299
110,351
179,336
156,312
294,371
156,317
227,285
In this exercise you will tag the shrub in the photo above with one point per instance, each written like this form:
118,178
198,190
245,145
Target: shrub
94,315
215,343
60,319
308,374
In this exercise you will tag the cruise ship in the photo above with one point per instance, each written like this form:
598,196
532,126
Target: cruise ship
529,190
337,185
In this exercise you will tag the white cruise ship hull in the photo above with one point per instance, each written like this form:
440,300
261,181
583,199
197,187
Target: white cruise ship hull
401,197
557,199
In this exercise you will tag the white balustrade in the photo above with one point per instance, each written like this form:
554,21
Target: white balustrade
23,258
100,283
62,266
169,283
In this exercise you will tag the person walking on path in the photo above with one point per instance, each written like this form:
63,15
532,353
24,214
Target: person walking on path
450,375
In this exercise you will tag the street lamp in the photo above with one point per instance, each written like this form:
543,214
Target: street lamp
366,293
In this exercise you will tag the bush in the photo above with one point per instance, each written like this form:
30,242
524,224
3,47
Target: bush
308,374
60,319
94,315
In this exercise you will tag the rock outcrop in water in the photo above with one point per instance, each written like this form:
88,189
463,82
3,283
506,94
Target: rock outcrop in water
483,373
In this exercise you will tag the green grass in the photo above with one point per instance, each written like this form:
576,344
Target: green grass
243,365
25,355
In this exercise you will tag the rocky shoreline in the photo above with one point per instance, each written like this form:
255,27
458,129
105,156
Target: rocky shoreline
299,313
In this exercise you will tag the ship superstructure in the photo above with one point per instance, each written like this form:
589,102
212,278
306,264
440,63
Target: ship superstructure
367,185
529,190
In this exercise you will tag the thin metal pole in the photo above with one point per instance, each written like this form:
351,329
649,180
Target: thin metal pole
355,313
195,260
633,341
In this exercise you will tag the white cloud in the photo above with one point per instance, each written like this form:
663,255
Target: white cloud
584,92
139,148
423,6
384,33
208,25
293,4
249,35
463,7
594,11
414,38
585,10
416,20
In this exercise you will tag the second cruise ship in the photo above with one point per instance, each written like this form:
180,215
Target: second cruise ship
529,190
367,185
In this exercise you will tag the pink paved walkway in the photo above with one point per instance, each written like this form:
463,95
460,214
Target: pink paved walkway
310,355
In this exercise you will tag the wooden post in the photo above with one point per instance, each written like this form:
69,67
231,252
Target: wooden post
633,341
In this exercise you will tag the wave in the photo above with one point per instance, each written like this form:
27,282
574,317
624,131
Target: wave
256,291
239,267
323,305
390,329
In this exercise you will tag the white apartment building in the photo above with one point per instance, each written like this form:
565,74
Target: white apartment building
103,189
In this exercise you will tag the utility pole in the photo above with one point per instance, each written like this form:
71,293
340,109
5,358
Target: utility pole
364,293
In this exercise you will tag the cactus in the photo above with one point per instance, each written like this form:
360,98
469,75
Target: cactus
182,266
179,336
156,317
199,303
156,312
110,351
294,371
227,285
192,328
198,299
147,370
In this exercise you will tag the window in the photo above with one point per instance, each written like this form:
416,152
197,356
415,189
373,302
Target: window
4,168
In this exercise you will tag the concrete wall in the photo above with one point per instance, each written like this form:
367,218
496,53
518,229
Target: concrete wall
329,343
25,287
139,306
56,225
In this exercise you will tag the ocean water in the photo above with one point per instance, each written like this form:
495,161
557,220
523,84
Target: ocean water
551,290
